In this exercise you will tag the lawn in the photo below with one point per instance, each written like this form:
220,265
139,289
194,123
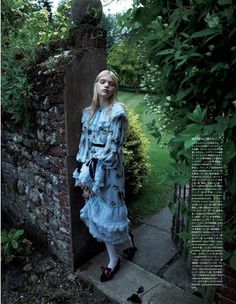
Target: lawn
153,196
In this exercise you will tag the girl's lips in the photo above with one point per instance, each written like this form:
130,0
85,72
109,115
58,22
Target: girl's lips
105,91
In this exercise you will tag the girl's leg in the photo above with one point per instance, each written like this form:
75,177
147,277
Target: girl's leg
113,256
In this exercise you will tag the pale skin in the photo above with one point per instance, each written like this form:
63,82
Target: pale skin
105,89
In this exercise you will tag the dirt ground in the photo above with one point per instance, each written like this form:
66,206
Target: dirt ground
44,280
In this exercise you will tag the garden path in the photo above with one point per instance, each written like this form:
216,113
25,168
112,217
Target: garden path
157,267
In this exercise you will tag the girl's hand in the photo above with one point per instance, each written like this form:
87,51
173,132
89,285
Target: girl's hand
87,192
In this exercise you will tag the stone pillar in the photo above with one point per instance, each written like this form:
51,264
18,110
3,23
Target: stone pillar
90,44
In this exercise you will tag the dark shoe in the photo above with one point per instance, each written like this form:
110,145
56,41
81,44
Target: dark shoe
129,253
107,273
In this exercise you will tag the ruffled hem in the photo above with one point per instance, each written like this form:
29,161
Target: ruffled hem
106,223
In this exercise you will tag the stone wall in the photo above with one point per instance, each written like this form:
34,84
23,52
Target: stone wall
34,190
38,192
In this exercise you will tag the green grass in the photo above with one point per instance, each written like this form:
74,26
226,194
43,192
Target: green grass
153,195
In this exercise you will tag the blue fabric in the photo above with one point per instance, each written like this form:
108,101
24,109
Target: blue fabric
105,213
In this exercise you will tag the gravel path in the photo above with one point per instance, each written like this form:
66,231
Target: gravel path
44,280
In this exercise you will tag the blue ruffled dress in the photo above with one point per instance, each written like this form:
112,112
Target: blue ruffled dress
105,213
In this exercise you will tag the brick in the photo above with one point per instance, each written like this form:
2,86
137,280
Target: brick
57,151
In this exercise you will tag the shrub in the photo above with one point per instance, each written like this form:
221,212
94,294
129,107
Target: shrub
135,157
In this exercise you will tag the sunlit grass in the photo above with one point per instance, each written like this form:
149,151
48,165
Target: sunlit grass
153,196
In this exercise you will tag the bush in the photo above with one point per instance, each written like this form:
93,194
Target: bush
135,157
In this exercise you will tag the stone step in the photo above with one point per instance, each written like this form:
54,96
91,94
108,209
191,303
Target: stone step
129,278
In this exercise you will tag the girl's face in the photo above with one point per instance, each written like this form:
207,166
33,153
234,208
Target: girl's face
105,87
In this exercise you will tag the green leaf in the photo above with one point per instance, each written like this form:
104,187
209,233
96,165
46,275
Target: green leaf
181,63
18,233
14,244
185,35
222,123
181,94
233,262
166,52
229,151
203,33
197,115
190,142
192,130
226,255
224,2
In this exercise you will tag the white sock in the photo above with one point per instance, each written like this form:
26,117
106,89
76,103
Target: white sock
113,256
128,243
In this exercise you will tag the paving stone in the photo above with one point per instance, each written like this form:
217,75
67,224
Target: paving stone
127,281
178,274
168,294
161,220
155,248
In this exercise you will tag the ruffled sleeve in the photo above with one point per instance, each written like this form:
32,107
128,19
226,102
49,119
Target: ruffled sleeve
81,174
109,156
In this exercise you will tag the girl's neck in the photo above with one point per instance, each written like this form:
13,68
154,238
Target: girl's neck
103,102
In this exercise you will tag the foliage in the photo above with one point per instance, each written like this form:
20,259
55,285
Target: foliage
131,68
115,32
47,4
192,54
135,157
25,27
14,245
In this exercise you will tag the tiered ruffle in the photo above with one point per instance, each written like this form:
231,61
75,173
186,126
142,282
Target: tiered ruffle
106,223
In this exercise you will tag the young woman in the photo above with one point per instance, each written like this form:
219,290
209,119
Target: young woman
101,172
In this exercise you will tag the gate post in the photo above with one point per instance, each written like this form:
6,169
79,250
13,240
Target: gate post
89,42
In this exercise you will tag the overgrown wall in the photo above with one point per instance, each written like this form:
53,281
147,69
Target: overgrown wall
34,190
38,191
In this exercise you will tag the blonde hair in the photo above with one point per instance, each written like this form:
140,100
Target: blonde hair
95,101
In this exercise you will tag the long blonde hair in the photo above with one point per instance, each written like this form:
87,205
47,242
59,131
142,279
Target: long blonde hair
95,101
